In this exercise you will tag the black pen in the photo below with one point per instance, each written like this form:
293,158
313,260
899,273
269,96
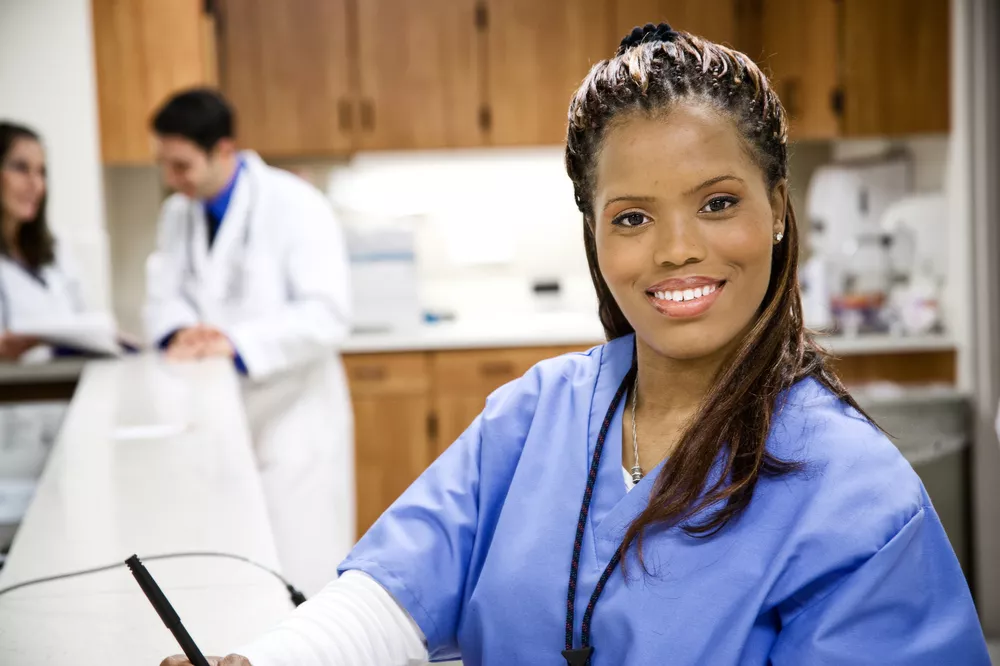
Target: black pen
165,611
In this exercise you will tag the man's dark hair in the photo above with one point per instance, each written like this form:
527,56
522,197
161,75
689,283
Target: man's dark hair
201,115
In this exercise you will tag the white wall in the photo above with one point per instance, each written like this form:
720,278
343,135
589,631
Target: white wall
493,220
47,81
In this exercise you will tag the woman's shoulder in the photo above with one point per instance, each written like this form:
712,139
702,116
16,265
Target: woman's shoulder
853,481
547,380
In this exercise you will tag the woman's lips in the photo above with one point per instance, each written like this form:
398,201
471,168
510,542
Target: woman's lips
684,303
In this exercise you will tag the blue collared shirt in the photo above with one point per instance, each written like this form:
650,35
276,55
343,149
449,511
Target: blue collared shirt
216,207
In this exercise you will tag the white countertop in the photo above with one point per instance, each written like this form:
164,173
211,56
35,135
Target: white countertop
152,459
579,329
61,370
536,330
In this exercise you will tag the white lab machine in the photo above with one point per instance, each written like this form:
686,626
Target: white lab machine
845,203
384,282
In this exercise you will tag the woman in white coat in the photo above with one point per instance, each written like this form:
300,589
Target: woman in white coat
36,286
251,265
37,289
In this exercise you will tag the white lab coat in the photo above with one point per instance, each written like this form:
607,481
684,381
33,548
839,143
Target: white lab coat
276,282
28,430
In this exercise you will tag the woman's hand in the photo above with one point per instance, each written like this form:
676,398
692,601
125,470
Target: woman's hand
12,345
231,660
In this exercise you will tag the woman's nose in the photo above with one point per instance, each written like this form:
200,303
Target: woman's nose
679,241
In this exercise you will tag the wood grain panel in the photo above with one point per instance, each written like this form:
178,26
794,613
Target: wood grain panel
286,66
390,394
420,82
800,42
144,51
462,380
538,54
896,56
908,368
391,450
712,19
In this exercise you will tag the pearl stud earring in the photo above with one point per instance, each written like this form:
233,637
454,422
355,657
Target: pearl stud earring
778,236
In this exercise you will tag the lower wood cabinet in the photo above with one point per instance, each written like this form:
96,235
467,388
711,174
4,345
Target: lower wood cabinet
410,407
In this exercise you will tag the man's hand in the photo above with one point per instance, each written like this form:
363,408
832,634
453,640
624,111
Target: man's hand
13,346
199,342
231,660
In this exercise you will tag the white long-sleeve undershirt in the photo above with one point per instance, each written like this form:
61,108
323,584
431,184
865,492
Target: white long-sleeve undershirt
353,621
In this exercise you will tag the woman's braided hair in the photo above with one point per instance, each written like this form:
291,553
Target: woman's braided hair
655,69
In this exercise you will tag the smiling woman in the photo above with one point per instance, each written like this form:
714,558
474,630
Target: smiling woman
763,519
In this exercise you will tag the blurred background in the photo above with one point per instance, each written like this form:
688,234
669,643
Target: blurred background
436,129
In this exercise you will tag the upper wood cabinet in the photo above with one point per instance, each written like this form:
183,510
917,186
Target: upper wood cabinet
286,68
852,68
538,54
328,77
144,51
801,57
419,74
896,56
712,19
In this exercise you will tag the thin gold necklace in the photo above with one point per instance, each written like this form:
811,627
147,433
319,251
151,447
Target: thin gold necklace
636,469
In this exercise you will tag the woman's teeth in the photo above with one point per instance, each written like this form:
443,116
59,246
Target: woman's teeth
686,294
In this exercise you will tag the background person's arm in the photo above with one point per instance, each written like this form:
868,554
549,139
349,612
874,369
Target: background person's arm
167,310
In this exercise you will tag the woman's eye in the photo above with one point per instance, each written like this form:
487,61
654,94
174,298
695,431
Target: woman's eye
719,204
633,219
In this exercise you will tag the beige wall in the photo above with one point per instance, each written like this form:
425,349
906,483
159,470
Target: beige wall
132,196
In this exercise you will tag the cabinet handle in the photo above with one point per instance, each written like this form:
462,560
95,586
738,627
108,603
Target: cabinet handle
367,115
370,372
496,368
345,113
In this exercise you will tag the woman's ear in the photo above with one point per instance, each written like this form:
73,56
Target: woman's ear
779,206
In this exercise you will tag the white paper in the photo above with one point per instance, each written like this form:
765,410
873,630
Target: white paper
94,334
149,431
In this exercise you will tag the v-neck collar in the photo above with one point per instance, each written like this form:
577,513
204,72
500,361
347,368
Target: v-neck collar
613,508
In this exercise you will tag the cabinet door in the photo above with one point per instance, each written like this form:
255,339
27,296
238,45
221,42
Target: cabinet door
711,19
896,56
144,50
538,54
392,405
463,380
800,42
419,72
285,67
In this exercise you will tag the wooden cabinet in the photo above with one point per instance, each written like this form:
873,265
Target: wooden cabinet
462,380
144,50
392,404
328,77
851,68
801,51
896,60
410,407
538,54
712,19
286,68
419,85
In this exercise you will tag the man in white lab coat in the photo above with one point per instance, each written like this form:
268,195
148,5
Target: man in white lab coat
251,265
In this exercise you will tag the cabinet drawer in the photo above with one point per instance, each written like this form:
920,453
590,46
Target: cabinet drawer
382,374
485,369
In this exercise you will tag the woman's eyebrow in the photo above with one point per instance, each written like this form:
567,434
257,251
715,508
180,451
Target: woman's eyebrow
713,181
629,197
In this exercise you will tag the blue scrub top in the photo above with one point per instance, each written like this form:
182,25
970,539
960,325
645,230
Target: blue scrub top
844,563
